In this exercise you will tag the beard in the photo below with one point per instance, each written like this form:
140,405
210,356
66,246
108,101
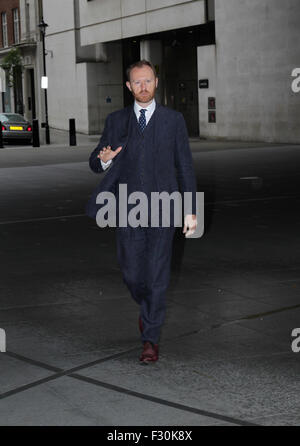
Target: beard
144,96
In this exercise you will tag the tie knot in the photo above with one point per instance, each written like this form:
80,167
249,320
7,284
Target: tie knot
143,111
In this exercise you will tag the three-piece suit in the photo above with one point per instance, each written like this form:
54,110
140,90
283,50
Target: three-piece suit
156,159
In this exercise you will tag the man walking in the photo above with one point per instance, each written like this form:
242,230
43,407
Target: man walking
143,146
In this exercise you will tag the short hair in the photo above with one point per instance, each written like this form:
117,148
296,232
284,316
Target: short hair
140,64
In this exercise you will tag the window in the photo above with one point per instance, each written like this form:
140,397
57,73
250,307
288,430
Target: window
4,29
16,25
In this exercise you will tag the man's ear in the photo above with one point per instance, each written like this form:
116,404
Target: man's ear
156,82
128,85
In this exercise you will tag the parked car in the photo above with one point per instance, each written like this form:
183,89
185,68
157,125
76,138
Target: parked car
15,128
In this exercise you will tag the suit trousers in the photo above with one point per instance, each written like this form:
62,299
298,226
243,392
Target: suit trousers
144,256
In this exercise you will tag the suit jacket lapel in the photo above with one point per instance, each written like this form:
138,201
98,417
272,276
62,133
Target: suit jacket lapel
159,129
125,125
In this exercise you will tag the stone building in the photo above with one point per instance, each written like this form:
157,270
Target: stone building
11,98
19,29
226,65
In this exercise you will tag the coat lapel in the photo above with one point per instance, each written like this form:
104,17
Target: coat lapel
160,127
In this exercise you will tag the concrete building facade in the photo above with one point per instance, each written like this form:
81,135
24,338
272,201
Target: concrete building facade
30,98
11,99
257,48
30,46
226,65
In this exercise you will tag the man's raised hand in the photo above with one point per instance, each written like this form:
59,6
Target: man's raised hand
107,153
190,223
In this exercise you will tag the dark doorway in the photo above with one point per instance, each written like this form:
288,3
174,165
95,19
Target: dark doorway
33,108
181,83
179,71
131,54
18,93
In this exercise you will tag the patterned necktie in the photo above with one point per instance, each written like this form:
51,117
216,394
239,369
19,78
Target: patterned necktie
142,119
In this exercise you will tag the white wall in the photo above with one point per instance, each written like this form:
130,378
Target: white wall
207,69
67,92
105,80
108,20
59,15
257,44
78,90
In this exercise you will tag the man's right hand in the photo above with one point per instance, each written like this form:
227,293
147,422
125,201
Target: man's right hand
107,153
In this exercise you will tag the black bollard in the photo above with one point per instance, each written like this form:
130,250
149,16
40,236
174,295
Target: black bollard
35,133
72,132
1,139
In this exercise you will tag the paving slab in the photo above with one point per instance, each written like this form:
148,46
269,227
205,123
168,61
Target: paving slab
226,344
278,325
226,371
70,402
15,374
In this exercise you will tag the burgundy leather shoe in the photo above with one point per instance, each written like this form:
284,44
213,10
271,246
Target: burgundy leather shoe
140,324
150,352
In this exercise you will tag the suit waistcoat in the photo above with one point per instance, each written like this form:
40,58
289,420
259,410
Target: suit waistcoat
138,165
138,168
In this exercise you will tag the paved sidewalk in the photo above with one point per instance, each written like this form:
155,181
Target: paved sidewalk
72,329
60,138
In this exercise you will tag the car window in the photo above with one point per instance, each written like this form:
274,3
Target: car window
3,118
15,118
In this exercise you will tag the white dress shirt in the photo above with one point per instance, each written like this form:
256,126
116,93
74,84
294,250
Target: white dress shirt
149,112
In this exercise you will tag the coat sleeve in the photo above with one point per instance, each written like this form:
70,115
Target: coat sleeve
94,162
184,161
